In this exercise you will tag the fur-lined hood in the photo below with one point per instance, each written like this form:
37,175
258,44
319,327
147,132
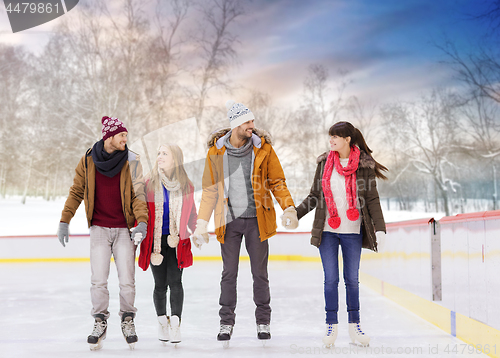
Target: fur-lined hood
365,161
218,134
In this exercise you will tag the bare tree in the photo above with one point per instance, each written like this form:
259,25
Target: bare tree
322,107
482,125
491,16
363,116
424,134
480,71
13,69
216,45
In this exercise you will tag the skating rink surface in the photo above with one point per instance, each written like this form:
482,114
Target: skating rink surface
45,312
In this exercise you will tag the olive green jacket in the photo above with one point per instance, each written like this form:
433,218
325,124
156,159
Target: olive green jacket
368,199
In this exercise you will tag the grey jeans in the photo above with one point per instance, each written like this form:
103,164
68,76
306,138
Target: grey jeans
259,253
105,242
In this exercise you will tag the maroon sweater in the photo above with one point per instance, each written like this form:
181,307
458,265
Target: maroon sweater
108,210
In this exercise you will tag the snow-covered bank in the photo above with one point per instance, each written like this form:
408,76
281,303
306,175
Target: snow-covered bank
41,217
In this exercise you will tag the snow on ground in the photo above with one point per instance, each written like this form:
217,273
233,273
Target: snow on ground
41,217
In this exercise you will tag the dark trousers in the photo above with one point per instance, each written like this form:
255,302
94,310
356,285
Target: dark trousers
259,253
168,275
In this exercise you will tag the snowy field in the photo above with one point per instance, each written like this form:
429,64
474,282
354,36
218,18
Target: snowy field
41,217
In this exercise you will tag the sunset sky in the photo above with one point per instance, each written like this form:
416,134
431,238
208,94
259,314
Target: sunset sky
388,46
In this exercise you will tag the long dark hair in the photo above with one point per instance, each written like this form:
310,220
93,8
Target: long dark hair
346,129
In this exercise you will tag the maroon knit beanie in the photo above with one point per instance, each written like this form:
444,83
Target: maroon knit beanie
111,127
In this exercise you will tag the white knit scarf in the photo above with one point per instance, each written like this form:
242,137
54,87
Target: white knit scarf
175,210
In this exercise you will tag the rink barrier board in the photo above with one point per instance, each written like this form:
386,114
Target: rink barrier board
464,328
475,227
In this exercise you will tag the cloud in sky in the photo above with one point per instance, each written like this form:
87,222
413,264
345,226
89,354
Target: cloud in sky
387,44
384,44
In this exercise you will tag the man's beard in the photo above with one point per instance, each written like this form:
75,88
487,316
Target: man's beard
243,136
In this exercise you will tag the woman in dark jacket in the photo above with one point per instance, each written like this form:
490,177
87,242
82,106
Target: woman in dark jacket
348,214
167,245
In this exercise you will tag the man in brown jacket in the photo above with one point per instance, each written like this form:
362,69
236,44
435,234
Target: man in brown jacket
109,180
241,171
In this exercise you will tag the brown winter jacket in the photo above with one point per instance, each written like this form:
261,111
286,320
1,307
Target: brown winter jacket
267,177
371,212
131,188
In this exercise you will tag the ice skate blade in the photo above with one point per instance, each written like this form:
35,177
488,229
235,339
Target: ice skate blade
329,346
225,344
131,346
95,347
264,342
360,344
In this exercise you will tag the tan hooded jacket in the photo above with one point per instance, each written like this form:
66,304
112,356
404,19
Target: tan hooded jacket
131,189
267,177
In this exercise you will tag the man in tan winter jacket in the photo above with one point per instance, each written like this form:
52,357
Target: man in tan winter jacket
241,171
109,180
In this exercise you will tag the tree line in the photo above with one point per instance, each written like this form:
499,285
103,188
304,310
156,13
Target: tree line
130,62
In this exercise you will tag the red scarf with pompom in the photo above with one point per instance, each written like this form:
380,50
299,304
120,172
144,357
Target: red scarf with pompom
349,172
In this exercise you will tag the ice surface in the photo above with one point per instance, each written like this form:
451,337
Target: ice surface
45,312
45,309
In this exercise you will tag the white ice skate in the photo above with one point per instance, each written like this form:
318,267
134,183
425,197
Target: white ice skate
98,334
128,330
163,329
331,334
225,333
357,334
175,326
263,333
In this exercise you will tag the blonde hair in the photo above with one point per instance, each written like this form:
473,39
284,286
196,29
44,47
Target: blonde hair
178,173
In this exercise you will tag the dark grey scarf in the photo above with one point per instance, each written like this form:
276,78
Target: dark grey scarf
108,164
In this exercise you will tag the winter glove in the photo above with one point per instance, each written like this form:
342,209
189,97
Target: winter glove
63,233
139,233
289,218
380,240
200,235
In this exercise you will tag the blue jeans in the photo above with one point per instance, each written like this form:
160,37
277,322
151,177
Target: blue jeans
351,245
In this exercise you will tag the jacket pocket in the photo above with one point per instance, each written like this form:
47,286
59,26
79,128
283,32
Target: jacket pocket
185,256
270,219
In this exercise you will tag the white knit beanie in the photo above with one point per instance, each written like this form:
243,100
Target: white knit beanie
238,113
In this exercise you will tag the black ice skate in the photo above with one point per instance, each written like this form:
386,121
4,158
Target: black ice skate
128,329
263,333
98,333
225,333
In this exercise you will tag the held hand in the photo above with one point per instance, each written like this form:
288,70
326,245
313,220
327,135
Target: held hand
139,233
380,240
197,241
200,234
63,233
289,218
